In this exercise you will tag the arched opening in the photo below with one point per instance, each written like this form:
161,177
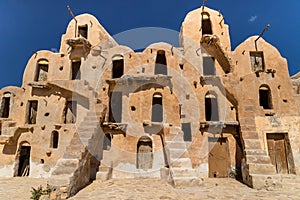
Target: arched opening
206,24
211,107
144,153
5,105
265,97
42,70
157,108
54,140
107,142
161,63
118,66
24,160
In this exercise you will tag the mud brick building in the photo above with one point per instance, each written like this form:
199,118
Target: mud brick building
99,110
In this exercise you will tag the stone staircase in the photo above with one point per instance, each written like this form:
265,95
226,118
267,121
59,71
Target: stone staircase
181,172
258,166
72,170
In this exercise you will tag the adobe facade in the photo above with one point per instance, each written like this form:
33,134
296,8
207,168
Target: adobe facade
99,110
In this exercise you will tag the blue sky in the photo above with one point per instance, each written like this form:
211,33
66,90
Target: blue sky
32,25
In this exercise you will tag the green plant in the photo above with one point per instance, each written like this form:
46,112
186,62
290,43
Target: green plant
37,193
235,173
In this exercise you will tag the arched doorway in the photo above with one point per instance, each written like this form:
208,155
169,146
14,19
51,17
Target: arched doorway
144,153
24,159
161,63
211,107
42,70
206,24
265,97
118,66
157,108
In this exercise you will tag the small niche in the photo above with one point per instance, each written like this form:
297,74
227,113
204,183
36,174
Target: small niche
133,108
47,114
195,84
285,100
61,68
42,161
21,104
181,66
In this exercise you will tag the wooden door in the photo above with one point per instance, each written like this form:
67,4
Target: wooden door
218,159
144,155
277,152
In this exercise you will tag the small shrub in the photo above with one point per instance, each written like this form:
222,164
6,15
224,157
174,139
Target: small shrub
37,193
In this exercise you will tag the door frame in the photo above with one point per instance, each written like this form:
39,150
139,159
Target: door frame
288,150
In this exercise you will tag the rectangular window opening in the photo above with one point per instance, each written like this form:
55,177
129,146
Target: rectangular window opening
76,74
209,68
83,31
32,112
257,61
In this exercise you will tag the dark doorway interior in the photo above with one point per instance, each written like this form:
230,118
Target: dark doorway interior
24,161
54,140
157,108
5,105
161,63
265,98
32,112
83,31
118,67
211,108
76,74
206,27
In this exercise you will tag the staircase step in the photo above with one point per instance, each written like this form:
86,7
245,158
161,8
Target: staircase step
183,172
250,135
175,137
177,153
248,127
261,159
252,144
261,168
181,162
176,144
255,152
